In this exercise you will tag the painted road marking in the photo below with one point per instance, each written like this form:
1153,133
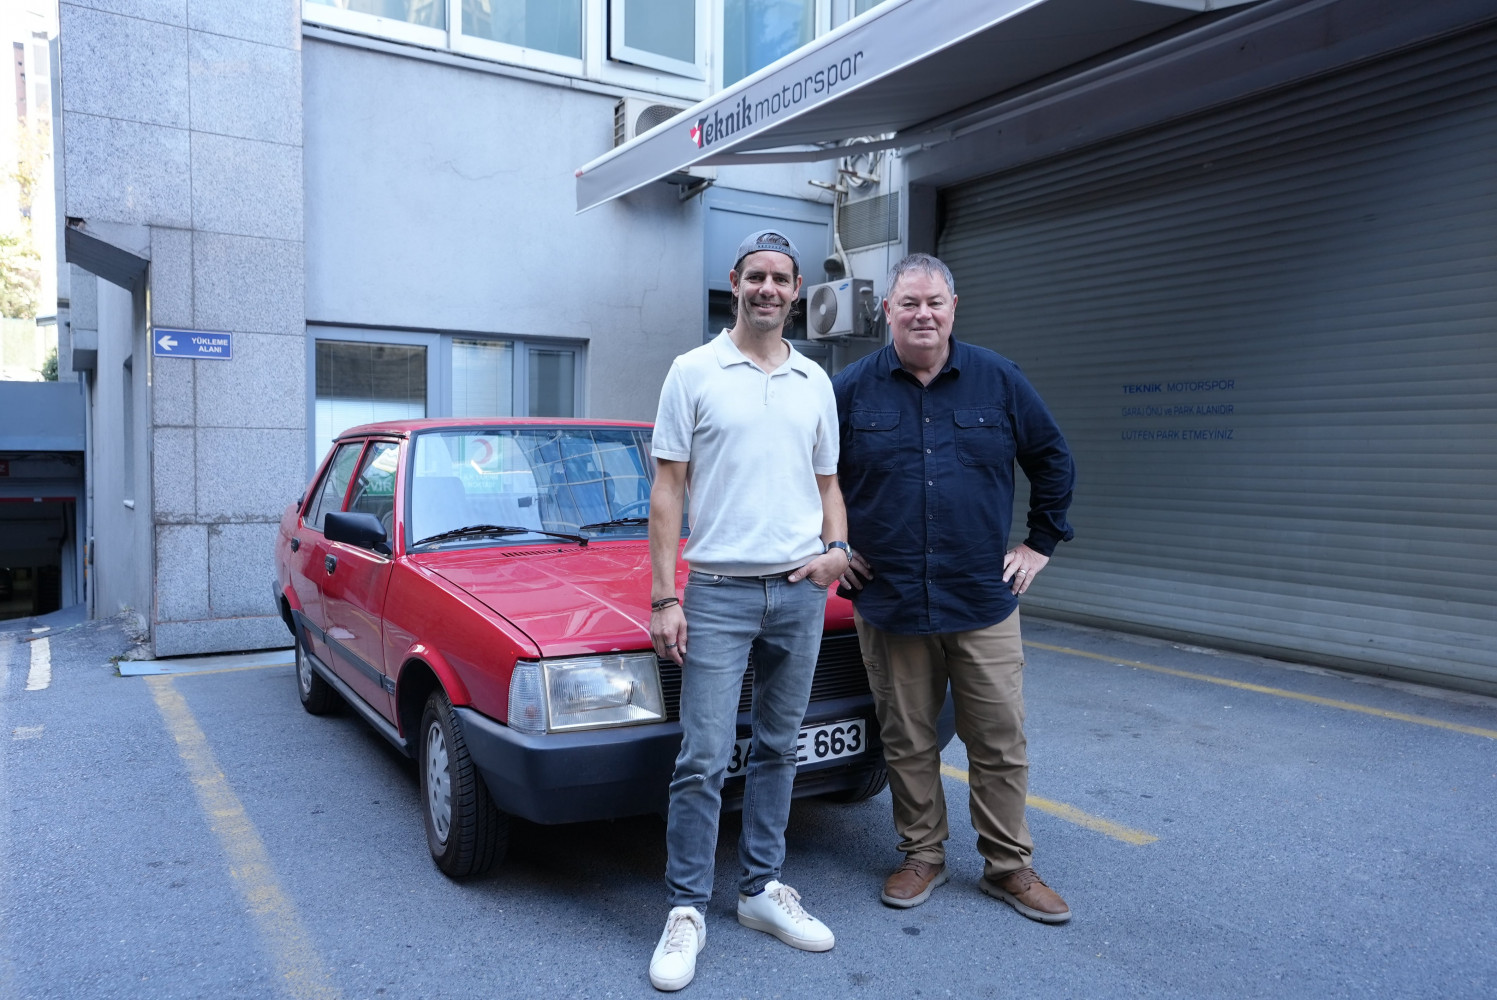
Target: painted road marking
26,732
1348,706
228,670
275,917
40,675
1071,814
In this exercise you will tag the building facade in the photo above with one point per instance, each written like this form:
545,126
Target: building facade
368,203
1245,250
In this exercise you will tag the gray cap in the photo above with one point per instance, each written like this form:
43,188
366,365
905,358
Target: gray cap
767,239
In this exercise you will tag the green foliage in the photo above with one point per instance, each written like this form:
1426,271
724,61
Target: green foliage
20,277
49,367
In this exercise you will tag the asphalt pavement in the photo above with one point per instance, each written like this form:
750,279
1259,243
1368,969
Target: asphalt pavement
1221,825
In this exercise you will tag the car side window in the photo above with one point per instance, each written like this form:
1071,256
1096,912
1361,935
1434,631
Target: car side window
334,484
374,486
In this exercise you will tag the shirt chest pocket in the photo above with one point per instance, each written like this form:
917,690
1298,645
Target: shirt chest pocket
874,438
982,436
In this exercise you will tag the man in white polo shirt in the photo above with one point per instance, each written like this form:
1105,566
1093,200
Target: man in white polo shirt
748,427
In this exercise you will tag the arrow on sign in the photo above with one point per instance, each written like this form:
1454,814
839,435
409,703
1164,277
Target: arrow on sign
167,343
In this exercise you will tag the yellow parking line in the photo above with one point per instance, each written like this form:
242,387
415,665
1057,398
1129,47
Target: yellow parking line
1348,706
1071,814
274,915
226,670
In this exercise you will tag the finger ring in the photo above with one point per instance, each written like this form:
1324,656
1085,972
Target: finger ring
1023,572
670,645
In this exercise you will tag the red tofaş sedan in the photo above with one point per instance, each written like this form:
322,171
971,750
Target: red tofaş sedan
478,590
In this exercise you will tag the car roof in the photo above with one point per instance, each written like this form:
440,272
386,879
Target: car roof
404,428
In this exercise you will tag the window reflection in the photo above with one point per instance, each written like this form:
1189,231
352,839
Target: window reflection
757,32
665,27
553,382
547,25
550,478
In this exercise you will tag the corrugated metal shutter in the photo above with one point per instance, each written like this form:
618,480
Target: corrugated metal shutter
1270,335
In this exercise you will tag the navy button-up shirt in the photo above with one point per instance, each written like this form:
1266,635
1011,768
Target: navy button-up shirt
927,473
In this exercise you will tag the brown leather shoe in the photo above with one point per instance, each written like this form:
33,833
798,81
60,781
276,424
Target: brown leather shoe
1025,892
911,883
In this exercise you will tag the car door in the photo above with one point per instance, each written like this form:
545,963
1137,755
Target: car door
309,548
355,581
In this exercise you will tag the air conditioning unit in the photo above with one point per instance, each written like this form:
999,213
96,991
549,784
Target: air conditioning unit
843,308
634,116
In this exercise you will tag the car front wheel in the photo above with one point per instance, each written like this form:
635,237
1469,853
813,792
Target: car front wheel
317,695
466,833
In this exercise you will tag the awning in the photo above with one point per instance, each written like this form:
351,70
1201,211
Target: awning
911,71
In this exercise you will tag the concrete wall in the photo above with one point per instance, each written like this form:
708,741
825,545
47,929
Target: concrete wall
442,198
119,471
184,117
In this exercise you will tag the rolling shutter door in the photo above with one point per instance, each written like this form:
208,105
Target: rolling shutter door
1270,335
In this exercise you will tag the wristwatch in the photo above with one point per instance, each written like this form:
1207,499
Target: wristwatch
839,545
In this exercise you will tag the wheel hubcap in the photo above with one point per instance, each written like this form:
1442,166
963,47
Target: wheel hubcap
438,782
303,671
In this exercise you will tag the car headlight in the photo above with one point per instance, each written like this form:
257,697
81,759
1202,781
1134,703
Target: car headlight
585,692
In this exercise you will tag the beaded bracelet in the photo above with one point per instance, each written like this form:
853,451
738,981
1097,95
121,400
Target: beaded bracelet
664,603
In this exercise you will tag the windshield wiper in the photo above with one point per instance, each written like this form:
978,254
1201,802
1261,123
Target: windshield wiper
474,530
618,522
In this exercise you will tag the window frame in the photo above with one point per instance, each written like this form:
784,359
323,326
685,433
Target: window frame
518,55
701,69
313,505
378,26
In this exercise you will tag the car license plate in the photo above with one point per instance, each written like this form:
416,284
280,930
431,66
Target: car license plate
826,741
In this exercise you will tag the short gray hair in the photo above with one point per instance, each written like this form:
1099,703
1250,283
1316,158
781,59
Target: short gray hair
920,262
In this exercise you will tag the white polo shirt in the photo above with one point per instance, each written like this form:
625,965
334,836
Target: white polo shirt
755,443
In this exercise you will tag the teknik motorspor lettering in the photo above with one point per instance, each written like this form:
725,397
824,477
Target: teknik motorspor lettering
748,111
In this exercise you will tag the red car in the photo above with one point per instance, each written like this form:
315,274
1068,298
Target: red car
478,590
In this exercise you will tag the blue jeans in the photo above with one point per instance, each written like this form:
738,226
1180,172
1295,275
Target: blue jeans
726,617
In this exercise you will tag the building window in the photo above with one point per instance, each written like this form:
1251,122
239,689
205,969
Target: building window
428,13
553,382
361,383
863,6
546,25
757,32
365,376
483,378
666,35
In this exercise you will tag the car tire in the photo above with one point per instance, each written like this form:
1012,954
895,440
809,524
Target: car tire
317,695
466,833
871,780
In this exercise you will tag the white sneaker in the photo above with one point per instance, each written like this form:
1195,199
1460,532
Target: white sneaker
675,958
777,911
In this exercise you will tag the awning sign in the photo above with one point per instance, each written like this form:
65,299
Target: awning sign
205,345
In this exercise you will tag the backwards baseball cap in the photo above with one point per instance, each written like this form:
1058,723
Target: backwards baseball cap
767,239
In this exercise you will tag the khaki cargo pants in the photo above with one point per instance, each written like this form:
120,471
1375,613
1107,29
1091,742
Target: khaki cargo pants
985,667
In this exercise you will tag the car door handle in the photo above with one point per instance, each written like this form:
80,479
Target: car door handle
295,544
331,562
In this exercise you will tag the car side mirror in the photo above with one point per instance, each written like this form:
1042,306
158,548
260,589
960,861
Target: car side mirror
356,528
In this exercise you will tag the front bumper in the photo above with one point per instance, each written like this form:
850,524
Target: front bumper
612,773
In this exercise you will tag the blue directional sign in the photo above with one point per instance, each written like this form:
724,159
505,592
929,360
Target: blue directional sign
205,345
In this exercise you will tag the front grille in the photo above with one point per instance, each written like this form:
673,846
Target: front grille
839,674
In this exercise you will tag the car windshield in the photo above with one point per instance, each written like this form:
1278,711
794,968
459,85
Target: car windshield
546,479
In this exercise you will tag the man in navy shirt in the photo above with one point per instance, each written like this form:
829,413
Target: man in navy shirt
931,429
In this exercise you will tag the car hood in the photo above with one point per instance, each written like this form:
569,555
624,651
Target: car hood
570,600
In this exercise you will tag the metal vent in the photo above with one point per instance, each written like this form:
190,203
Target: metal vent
869,222
646,117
